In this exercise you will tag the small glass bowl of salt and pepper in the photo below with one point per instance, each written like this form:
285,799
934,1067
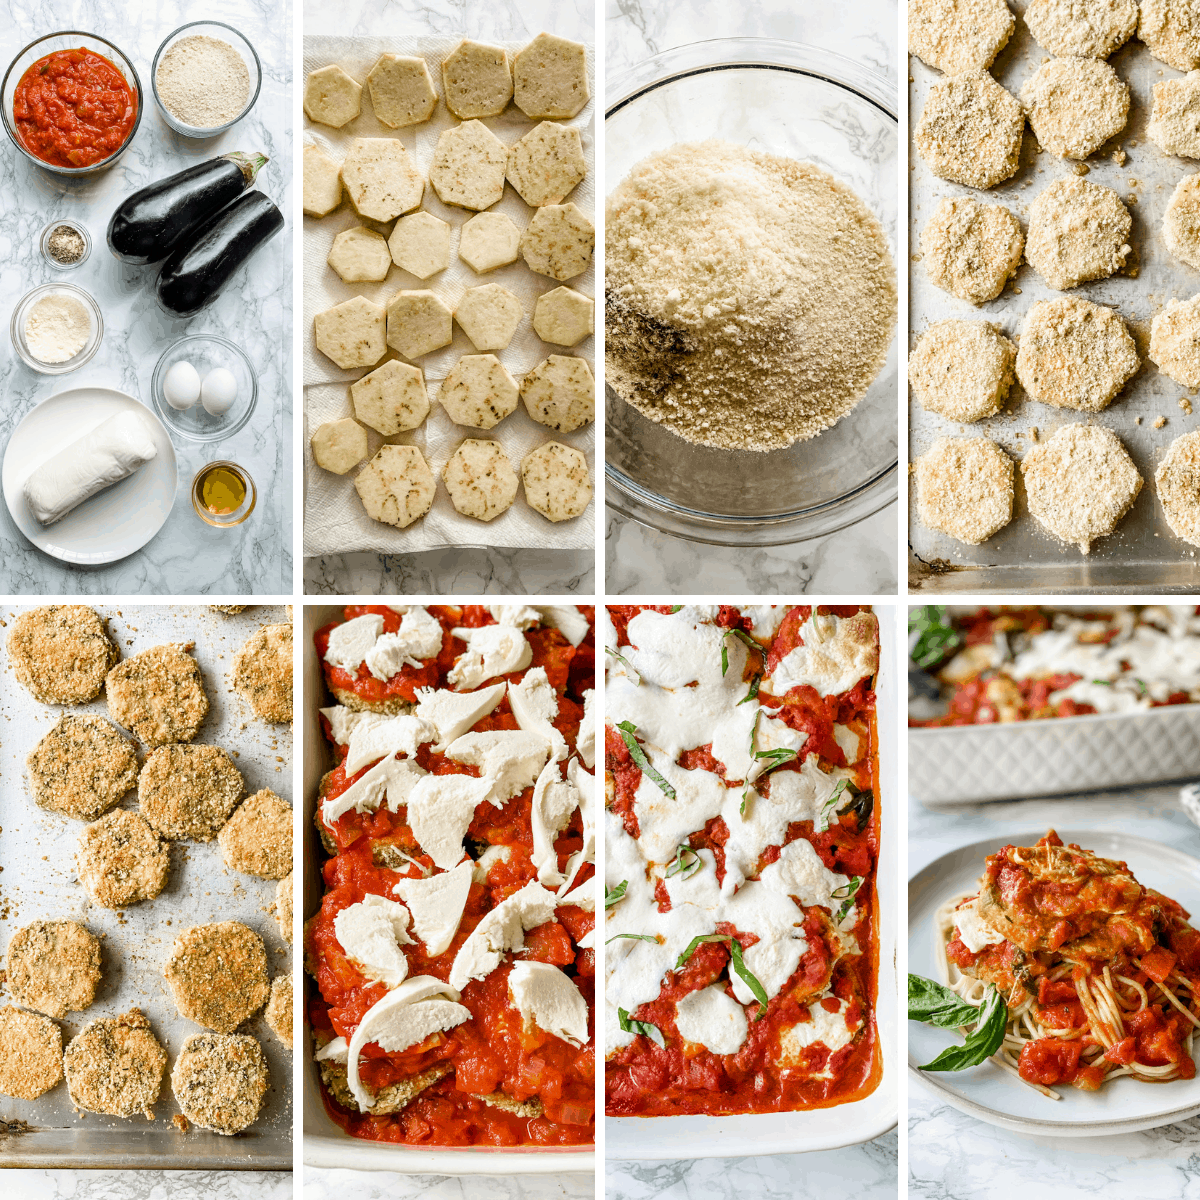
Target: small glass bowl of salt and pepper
65,244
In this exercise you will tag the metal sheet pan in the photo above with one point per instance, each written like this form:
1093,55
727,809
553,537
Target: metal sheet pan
325,1144
1143,554
37,857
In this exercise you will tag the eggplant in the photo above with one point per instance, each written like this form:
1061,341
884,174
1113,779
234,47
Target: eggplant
195,273
151,223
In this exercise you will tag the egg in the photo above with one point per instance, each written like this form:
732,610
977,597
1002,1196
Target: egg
218,392
181,387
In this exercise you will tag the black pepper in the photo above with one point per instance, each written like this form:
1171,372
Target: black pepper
66,245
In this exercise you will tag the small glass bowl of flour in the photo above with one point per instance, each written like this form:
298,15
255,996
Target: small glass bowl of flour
205,77
56,328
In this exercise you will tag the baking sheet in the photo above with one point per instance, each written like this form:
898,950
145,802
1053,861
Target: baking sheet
37,857
335,521
1143,553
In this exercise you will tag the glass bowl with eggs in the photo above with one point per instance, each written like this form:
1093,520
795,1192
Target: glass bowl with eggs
204,388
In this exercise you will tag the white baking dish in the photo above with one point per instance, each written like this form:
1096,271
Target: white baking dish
325,1144
962,763
648,1138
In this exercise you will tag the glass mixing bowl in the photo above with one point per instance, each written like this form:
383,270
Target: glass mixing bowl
804,103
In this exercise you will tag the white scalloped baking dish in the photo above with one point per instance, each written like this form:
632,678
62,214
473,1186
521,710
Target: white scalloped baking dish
325,1144
962,763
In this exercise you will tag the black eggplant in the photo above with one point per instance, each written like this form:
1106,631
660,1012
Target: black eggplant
194,274
151,223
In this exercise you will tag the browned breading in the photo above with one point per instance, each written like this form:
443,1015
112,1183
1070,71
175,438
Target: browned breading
262,672
218,974
188,791
390,1099
257,839
54,967
30,1054
394,706
121,861
115,1066
219,1081
158,694
279,1009
283,907
82,767
61,653
505,1103
229,609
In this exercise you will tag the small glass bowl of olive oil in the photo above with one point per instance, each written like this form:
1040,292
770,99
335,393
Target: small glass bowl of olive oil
223,494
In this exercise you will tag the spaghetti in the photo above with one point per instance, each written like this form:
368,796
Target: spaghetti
1101,975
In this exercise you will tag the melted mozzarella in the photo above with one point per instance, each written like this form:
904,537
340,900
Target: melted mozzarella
828,1028
371,933
837,653
502,930
800,872
453,713
350,641
491,650
437,904
712,1018
550,1001
972,931
849,742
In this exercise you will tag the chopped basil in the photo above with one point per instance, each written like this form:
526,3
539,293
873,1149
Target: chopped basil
753,692
936,636
1103,682
615,895
724,658
936,1005
633,937
629,1025
628,730
674,608
742,636
736,961
1142,689
778,757
829,808
846,894
699,940
686,863
627,664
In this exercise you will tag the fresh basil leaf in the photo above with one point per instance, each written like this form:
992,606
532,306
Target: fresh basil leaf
846,893
686,862
936,636
628,731
1103,682
753,693
777,757
744,637
633,937
982,1042
754,731
745,800
935,1004
627,664
697,942
615,895
724,659
1142,688
828,808
629,1025
747,977
674,608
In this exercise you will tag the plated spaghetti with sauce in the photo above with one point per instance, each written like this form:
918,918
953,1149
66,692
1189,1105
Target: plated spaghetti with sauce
1067,971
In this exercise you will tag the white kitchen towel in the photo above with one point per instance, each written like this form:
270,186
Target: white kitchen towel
335,520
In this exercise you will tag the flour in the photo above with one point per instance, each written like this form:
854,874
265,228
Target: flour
57,328
203,81
750,299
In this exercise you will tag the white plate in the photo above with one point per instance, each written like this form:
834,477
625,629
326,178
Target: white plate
1122,1106
657,1138
113,524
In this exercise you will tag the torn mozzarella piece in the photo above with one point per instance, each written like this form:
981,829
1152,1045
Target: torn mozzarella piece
585,743
491,650
567,619
405,1017
393,778
453,713
440,809
485,862
419,638
535,705
334,1051
712,1018
800,872
549,1000
519,616
502,930
437,905
350,642
508,759
371,933
344,721
585,785
972,931
584,896
392,735
554,800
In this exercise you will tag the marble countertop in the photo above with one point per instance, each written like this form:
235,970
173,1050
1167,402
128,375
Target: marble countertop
461,569
255,310
952,1156
151,1185
639,559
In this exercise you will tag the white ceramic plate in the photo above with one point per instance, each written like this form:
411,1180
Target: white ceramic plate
1122,1106
113,524
657,1138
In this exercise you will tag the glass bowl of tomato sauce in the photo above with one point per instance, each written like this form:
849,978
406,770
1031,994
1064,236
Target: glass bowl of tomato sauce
71,102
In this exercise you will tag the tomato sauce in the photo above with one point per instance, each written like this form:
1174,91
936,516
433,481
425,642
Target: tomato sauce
73,108
492,1052
643,1079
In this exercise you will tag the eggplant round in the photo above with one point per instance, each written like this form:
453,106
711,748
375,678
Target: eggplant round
194,275
152,222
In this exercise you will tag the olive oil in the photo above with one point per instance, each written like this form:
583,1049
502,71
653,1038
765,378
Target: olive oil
222,491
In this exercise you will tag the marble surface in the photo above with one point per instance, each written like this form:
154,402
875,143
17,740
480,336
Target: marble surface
150,1185
863,559
954,1157
386,1185
255,309
478,569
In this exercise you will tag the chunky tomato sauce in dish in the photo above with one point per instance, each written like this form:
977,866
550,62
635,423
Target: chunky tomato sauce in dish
741,843
73,108
454,948
1020,664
